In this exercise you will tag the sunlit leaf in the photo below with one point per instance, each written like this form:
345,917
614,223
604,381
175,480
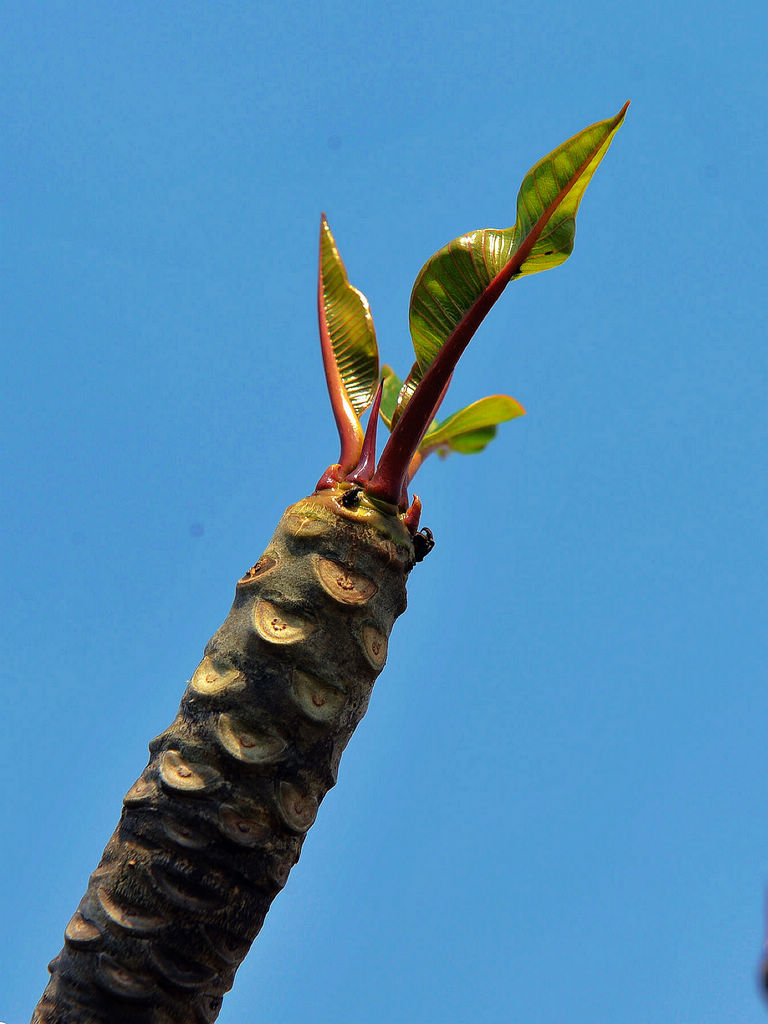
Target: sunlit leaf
466,431
469,444
470,429
406,391
458,286
473,267
397,393
349,324
392,386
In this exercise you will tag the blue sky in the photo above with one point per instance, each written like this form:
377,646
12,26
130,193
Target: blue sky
555,809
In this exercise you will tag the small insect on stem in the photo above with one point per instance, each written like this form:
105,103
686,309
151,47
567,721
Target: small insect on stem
423,542
351,498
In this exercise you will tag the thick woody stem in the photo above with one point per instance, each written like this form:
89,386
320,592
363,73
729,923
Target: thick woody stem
215,822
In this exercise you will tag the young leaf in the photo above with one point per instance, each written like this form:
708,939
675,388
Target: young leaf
406,392
397,393
474,419
469,444
460,273
467,431
458,286
391,389
348,343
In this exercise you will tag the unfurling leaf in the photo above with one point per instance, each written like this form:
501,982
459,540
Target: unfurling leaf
469,444
348,343
462,272
392,385
472,428
350,326
467,431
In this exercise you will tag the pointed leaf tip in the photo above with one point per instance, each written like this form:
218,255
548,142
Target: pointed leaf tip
477,266
472,428
348,344
457,287
350,325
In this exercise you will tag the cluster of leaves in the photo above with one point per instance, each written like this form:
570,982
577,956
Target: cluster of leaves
347,329
451,295
467,431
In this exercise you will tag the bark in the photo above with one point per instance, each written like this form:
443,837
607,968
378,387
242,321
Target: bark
216,821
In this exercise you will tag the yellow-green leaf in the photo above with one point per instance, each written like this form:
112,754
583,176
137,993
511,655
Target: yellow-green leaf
469,444
478,265
470,429
392,385
409,385
349,325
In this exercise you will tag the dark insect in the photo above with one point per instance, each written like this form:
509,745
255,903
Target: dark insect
351,498
423,542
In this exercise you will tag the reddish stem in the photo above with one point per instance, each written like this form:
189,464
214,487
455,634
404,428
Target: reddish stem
363,471
392,470
391,473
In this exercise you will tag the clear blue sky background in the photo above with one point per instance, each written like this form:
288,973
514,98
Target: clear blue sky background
557,807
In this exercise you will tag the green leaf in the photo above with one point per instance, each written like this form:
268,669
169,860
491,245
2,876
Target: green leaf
346,326
405,394
466,431
397,393
478,265
469,444
472,428
392,385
